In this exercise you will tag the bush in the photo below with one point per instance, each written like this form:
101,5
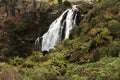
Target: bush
17,61
114,50
59,1
111,50
114,27
67,3
75,32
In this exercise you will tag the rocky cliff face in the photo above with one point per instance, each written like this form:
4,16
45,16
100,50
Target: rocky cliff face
24,21
14,7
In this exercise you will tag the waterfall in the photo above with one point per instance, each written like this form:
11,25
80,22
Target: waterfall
59,30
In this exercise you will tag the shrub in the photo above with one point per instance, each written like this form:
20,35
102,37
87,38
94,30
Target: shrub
67,3
28,64
38,57
75,32
111,50
114,50
17,61
114,27
59,1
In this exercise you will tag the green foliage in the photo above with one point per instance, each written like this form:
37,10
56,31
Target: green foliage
56,68
67,3
52,0
111,50
96,56
91,40
38,57
59,1
93,22
114,49
90,54
114,27
17,61
75,32
98,70
77,77
28,64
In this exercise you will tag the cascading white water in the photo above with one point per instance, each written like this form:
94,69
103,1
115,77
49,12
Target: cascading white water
59,30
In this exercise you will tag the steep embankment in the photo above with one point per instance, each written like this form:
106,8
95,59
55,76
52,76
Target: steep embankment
98,34
21,22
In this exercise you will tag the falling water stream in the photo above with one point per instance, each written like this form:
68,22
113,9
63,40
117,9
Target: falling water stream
59,30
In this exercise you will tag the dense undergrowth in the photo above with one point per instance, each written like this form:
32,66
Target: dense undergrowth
98,33
91,53
54,67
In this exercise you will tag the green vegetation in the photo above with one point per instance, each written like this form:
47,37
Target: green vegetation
95,35
56,68
91,53
59,1
67,3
